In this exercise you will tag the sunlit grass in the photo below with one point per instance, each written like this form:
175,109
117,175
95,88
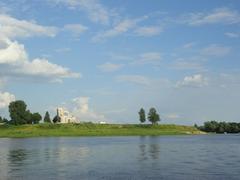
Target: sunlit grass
90,129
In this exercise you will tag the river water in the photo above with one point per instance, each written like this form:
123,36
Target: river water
139,157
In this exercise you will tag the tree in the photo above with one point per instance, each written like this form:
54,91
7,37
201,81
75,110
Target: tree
18,113
142,116
36,117
5,120
153,116
1,119
47,118
56,119
211,126
28,116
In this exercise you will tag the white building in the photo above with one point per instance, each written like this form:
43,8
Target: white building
65,116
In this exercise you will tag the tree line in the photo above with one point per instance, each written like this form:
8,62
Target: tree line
152,117
220,127
19,114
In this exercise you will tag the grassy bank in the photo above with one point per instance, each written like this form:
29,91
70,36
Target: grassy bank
89,129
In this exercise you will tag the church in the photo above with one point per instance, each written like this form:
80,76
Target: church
65,116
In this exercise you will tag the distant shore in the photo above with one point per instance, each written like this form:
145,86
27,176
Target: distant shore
90,129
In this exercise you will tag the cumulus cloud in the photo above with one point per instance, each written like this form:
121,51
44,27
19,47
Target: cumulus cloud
42,67
148,31
216,50
5,99
12,52
216,16
93,8
110,67
15,28
82,111
14,62
196,80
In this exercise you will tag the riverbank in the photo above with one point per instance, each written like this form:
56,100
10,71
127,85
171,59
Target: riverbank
90,129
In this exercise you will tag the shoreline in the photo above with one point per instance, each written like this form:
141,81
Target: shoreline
94,130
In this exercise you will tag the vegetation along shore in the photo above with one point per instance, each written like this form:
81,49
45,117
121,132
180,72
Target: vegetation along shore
23,123
91,129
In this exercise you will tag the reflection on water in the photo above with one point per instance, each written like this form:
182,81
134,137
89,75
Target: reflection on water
149,148
154,147
17,156
165,157
143,152
16,159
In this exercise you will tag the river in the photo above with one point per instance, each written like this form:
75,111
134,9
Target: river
138,157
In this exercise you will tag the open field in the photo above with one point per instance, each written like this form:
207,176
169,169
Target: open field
90,129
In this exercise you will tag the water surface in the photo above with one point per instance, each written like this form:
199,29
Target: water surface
148,157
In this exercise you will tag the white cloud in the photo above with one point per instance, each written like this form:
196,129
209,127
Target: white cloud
120,28
216,50
82,111
189,45
14,62
14,28
75,29
12,52
216,16
196,80
153,58
110,67
232,35
93,8
181,64
5,99
148,31
135,79
82,103
42,67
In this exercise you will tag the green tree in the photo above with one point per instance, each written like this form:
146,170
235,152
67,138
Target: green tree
56,119
1,119
153,116
5,120
18,112
142,116
47,118
35,118
211,126
28,116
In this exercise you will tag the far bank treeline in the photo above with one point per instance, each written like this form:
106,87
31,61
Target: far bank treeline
220,127
19,114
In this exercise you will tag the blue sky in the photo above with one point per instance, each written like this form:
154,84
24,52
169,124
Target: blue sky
104,60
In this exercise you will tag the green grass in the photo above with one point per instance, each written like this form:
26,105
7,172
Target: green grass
90,129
